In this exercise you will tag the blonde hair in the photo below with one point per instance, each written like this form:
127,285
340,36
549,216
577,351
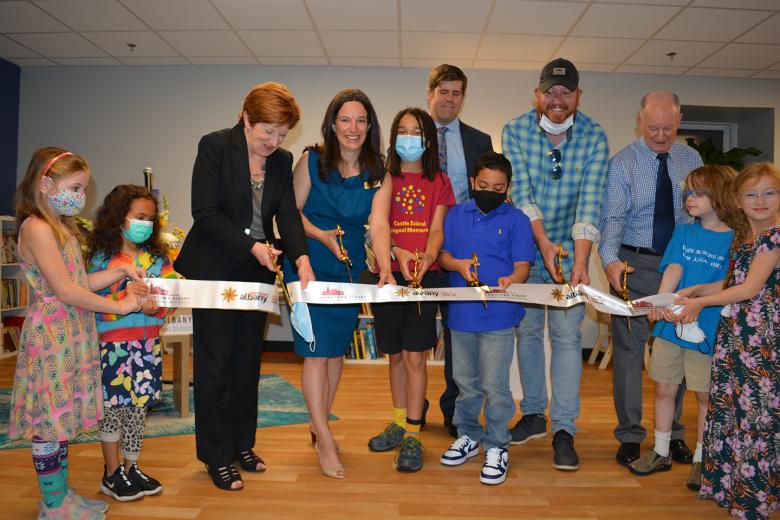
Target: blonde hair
749,174
29,200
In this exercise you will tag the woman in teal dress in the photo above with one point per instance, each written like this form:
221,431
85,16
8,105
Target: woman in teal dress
334,187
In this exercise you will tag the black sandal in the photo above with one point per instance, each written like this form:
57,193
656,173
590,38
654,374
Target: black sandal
249,461
224,477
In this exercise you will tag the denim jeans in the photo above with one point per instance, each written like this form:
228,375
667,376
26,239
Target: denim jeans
566,362
480,367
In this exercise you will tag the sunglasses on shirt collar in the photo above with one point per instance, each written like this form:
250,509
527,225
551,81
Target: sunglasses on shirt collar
557,170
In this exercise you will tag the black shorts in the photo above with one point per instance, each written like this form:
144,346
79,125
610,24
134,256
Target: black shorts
398,326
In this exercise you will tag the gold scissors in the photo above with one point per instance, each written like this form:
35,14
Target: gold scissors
559,268
474,282
624,292
343,252
414,283
279,275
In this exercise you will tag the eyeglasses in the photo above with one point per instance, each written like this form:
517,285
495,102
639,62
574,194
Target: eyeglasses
753,196
557,170
694,193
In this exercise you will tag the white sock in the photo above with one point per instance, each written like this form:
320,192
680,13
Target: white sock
662,440
697,453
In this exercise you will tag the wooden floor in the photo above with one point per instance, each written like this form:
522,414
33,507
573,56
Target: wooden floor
294,488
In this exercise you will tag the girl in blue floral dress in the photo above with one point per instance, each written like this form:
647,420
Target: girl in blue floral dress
127,231
742,429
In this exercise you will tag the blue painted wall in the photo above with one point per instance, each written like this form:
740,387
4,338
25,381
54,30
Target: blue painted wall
9,133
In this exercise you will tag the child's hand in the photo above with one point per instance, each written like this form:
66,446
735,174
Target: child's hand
134,272
404,259
688,292
150,306
690,311
655,314
130,303
426,261
385,277
504,282
140,289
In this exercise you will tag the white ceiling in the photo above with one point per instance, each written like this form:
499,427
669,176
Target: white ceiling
734,38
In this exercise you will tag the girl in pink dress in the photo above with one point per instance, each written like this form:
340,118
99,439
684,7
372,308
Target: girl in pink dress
57,389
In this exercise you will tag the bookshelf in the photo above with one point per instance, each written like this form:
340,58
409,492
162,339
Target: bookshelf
13,291
364,350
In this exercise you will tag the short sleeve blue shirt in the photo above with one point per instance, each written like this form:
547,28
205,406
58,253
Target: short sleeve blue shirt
499,238
704,257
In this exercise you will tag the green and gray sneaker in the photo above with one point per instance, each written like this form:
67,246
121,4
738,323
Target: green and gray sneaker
388,440
410,455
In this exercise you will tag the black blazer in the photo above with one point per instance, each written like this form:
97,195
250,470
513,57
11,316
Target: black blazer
475,143
218,245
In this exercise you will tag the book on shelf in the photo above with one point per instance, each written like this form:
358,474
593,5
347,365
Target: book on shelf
8,250
12,327
14,293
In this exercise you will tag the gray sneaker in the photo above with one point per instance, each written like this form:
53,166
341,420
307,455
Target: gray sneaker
410,455
388,440
694,479
650,463
531,426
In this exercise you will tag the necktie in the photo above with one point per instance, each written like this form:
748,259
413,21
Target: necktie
442,149
663,217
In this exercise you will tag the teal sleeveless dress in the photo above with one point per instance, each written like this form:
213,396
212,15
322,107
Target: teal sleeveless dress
346,202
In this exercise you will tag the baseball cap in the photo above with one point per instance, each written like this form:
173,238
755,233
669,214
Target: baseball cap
559,72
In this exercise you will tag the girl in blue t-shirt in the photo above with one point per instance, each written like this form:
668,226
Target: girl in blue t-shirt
697,253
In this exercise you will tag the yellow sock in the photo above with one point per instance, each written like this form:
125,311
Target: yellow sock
413,427
399,417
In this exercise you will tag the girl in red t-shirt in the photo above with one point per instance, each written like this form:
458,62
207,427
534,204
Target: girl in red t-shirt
407,222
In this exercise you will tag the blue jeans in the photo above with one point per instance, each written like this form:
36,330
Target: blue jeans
480,367
566,363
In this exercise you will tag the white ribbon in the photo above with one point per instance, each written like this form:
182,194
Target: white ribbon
208,294
249,296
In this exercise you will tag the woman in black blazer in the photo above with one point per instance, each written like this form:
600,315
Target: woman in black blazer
241,183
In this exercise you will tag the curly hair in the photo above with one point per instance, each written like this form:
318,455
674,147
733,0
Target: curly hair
106,237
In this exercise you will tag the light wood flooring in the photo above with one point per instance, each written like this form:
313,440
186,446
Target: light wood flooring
294,488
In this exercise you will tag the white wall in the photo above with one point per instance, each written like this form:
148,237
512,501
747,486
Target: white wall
124,118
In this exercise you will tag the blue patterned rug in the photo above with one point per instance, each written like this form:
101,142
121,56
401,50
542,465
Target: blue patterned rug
279,404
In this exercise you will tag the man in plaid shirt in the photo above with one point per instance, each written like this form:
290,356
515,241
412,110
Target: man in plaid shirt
559,158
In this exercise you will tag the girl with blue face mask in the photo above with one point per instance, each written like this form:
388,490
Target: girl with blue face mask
406,225
127,232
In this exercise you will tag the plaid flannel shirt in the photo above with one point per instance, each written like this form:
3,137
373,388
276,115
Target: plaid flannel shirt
570,206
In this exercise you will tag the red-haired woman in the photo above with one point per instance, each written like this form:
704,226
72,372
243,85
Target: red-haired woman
241,182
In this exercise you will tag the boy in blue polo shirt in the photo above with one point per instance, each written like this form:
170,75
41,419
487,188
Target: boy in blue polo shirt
483,339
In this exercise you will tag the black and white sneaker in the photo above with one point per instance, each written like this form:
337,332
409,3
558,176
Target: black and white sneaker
495,467
149,485
118,486
460,451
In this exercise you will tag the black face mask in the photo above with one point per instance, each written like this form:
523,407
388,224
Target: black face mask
488,200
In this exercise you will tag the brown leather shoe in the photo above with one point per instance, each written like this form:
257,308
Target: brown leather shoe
694,479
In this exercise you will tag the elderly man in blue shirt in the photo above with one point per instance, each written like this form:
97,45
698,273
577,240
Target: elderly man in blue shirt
642,204
559,157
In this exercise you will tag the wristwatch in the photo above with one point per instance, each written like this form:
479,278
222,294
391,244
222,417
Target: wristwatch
392,256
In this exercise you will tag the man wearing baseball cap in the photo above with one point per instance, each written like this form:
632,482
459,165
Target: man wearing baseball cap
559,158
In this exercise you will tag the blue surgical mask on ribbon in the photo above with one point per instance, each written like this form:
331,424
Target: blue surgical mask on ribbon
139,230
300,319
409,147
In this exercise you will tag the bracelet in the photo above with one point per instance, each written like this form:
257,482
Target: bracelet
392,256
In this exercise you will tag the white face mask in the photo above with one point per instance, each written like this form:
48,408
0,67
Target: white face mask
555,128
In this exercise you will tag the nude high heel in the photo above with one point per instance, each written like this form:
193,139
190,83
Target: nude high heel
338,472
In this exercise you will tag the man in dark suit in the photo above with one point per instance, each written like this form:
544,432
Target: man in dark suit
460,145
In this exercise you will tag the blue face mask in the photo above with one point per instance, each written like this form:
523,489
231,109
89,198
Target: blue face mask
139,230
300,319
409,147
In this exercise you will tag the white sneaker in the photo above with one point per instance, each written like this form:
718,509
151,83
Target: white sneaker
460,451
495,467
